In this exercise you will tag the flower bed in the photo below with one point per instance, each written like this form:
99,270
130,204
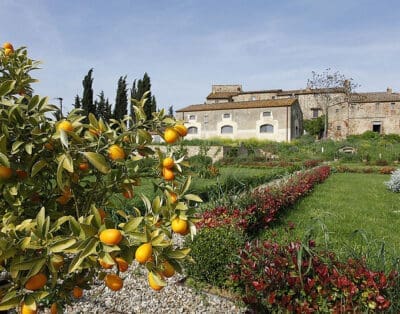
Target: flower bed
265,202
274,277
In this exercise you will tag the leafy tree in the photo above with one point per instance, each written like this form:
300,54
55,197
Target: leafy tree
77,104
87,98
330,88
315,127
61,220
121,99
138,90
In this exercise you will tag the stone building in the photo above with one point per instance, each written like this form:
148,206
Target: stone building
278,114
228,114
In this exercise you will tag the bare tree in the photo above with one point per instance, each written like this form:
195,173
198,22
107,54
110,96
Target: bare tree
330,88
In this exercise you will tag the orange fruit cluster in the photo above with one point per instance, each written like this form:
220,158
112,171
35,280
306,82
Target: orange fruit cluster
121,263
167,170
5,172
171,135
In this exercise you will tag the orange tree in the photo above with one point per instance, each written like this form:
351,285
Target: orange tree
58,230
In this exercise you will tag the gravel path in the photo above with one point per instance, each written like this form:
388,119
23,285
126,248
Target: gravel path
137,297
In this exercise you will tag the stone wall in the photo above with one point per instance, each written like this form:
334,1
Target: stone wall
215,152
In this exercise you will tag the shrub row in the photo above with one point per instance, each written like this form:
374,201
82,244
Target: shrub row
293,277
265,203
347,169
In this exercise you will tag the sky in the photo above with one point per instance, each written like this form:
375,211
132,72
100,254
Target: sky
187,45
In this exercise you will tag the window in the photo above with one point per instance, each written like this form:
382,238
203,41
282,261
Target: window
377,106
338,128
273,97
267,128
226,129
192,117
392,105
266,113
314,113
377,127
227,115
192,130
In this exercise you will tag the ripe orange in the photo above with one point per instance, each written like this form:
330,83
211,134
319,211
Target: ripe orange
171,135
168,174
128,193
114,282
21,174
111,236
65,125
115,152
104,264
122,264
77,292
143,253
169,270
8,45
26,310
36,282
65,197
168,163
5,172
179,226
8,51
174,197
83,166
49,146
181,129
54,308
152,282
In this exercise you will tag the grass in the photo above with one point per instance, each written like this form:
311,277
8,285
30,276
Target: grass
359,216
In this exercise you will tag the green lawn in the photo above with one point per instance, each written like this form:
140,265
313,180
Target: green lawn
347,202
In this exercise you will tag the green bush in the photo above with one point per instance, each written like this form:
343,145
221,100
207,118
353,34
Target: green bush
213,250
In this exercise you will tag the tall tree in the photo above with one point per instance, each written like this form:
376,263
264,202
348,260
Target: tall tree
330,88
101,106
121,99
171,111
87,98
77,104
138,89
108,111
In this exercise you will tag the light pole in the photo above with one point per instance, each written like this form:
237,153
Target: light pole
61,108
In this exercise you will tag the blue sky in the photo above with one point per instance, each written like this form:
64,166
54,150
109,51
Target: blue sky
186,46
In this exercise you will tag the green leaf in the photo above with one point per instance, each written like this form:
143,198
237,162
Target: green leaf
157,280
89,230
33,102
36,267
4,160
15,146
37,167
68,163
59,172
60,246
193,197
25,265
74,225
98,161
186,185
40,219
6,87
132,224
64,138
11,303
178,254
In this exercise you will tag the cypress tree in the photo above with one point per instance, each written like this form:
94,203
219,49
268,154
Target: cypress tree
101,106
121,100
137,92
87,98
171,111
77,104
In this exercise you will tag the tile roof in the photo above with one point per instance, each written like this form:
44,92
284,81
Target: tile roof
312,91
284,102
374,97
222,95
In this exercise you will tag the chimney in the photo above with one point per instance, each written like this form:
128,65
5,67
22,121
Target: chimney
389,90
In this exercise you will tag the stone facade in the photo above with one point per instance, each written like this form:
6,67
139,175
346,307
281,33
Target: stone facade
347,113
278,120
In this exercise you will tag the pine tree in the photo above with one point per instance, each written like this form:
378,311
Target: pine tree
77,104
137,92
121,100
87,98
